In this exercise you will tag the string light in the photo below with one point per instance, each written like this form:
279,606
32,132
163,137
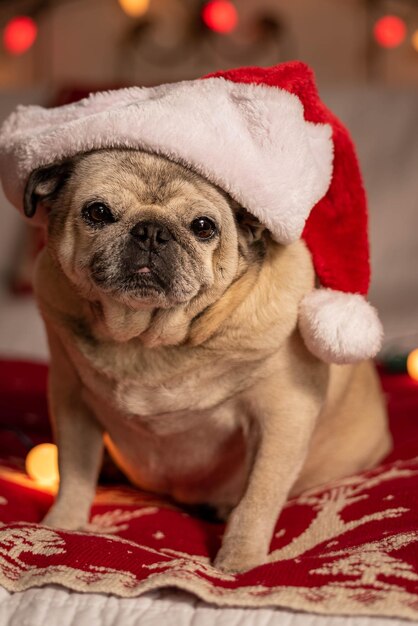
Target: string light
220,16
389,31
412,364
134,8
19,34
42,464
414,40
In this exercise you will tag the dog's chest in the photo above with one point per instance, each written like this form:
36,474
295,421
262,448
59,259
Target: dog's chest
163,388
174,421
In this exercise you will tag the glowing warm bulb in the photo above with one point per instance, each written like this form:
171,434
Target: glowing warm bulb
134,8
42,464
414,40
412,364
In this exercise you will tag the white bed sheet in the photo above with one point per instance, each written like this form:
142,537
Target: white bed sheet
53,606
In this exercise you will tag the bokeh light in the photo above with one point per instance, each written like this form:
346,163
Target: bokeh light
19,34
134,8
42,464
414,40
220,16
412,364
389,31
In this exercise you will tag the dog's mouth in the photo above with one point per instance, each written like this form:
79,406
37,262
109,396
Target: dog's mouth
157,281
143,279
141,284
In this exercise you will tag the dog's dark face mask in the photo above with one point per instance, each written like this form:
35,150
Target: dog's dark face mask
140,228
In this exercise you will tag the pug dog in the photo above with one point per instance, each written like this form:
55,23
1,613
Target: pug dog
171,316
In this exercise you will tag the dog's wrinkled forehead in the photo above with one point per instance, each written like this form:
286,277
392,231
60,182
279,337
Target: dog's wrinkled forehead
150,179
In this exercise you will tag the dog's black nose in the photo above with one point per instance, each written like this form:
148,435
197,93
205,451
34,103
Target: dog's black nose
151,234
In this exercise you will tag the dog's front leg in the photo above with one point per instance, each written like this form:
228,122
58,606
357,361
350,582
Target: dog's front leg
80,443
286,416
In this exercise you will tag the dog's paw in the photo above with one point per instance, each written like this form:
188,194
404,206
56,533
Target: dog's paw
237,561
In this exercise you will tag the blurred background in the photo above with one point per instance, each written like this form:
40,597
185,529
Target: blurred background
364,54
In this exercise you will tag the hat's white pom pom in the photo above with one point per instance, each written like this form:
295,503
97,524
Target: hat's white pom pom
339,327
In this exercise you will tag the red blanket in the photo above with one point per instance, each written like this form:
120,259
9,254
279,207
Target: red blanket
350,548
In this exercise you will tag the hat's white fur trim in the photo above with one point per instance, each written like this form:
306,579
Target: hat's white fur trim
339,327
251,140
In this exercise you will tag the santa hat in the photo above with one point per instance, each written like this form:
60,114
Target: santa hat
261,134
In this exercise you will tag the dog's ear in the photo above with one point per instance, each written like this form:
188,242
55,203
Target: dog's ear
249,225
43,184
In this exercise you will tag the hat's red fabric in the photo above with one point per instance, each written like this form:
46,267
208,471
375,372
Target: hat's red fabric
336,230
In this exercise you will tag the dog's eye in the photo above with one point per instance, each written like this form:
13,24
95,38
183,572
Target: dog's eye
203,227
97,213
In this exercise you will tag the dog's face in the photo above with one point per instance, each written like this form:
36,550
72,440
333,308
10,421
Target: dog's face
141,229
